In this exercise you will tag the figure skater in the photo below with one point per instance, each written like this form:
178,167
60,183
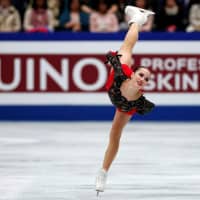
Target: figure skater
125,88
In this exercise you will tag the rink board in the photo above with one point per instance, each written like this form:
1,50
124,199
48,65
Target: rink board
63,76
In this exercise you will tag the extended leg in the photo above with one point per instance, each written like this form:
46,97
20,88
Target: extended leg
119,122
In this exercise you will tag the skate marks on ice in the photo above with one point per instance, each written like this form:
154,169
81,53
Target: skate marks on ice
59,161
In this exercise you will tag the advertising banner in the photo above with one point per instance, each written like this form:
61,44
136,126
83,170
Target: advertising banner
88,73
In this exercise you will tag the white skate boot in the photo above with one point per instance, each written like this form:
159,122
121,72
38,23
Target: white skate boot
101,181
137,15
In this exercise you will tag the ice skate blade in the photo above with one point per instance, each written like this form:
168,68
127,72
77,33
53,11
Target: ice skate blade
98,191
147,12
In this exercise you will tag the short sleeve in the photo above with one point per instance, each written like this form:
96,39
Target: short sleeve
127,70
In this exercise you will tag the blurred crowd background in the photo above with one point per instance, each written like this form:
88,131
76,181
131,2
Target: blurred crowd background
96,15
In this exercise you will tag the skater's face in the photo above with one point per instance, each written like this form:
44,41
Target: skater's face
142,76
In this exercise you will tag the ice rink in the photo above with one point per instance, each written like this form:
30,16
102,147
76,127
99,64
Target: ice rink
59,161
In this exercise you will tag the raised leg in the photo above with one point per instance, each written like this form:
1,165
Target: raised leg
128,44
137,17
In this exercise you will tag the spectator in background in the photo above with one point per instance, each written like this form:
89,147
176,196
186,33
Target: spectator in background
120,13
10,20
54,6
72,18
191,2
112,6
148,26
103,20
155,5
194,17
171,16
90,6
21,6
38,18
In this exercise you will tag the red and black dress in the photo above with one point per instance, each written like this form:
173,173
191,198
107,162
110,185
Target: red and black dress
118,74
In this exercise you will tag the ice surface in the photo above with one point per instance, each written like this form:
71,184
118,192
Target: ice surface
59,161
